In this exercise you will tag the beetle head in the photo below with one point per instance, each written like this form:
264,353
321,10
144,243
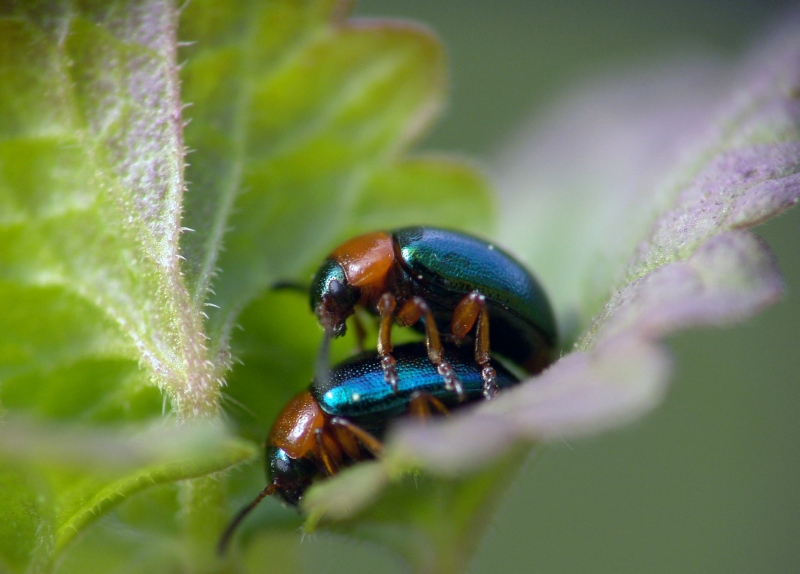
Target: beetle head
332,297
291,476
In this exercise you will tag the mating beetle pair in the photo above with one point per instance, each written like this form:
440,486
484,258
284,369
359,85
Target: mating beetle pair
449,281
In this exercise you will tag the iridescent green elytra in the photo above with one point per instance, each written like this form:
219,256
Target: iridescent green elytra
444,265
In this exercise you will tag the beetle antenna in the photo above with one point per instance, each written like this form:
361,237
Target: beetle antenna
322,370
224,540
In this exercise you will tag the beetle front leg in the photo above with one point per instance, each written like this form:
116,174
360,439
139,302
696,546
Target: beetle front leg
469,311
386,307
412,311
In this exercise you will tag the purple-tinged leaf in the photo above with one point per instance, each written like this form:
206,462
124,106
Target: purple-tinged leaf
625,373
663,239
584,393
727,279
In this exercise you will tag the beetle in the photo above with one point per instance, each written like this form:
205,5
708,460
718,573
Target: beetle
452,282
342,419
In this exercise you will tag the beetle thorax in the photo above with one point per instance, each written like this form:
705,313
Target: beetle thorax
293,430
369,263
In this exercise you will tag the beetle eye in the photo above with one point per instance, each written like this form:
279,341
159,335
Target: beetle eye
336,289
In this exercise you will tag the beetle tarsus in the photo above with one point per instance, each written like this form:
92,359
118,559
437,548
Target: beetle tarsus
390,371
451,380
489,376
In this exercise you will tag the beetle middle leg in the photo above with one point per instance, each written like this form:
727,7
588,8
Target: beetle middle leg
471,310
412,311
386,306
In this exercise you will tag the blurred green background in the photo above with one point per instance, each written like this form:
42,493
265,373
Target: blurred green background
709,482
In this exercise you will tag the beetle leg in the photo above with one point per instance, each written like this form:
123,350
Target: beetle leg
369,442
412,311
469,311
386,306
329,452
422,405
482,356
466,314
347,441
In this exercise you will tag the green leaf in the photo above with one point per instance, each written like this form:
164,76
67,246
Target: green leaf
91,184
21,519
298,120
91,168
89,471
432,522
126,285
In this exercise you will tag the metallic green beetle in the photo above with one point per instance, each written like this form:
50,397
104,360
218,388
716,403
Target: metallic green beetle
450,281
